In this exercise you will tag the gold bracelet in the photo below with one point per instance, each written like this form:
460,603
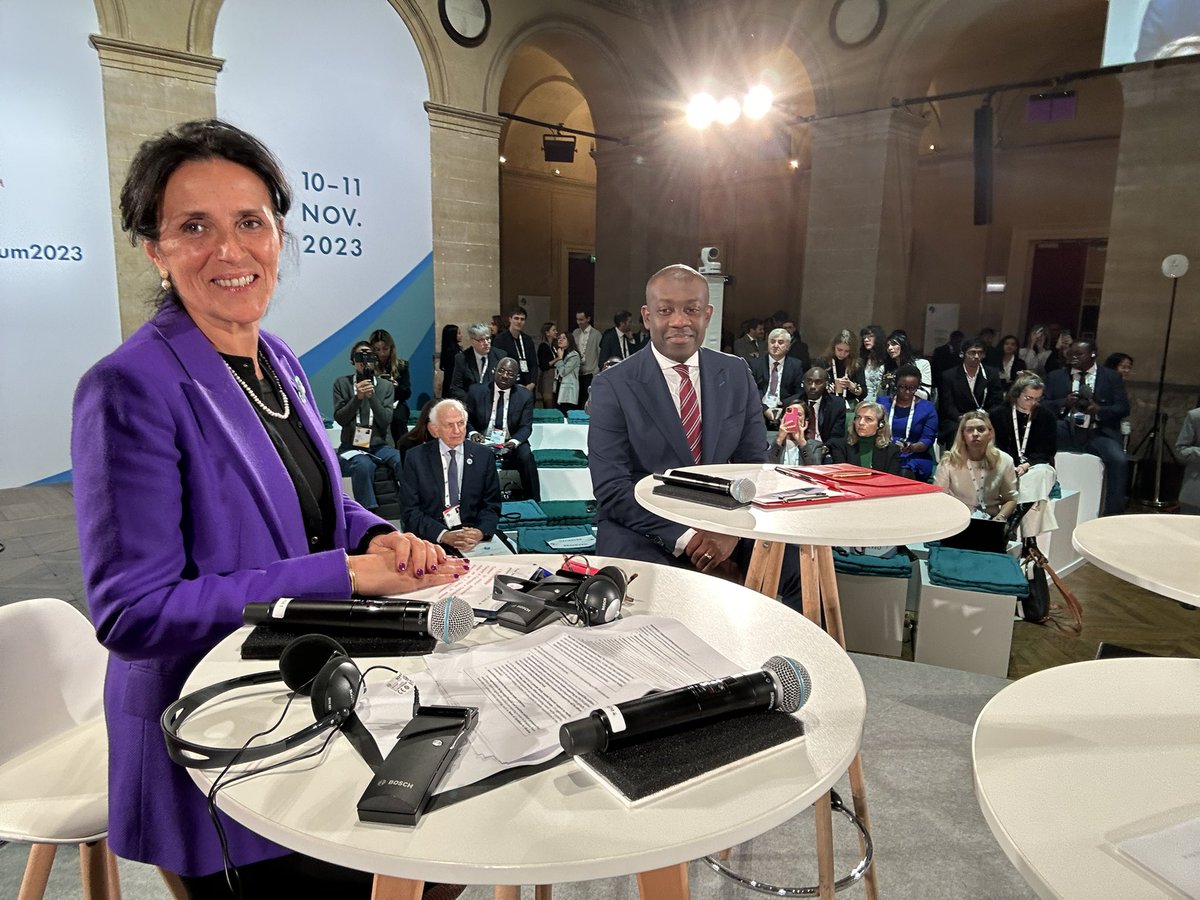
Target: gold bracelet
353,580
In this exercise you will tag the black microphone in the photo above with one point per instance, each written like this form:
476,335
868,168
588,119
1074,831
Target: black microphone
448,620
781,684
740,489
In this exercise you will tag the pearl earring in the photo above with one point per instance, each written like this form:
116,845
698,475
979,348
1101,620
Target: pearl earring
166,282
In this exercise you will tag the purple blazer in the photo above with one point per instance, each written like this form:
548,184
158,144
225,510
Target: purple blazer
185,513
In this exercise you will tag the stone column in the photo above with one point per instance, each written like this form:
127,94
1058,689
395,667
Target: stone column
857,251
621,252
465,149
146,90
1155,212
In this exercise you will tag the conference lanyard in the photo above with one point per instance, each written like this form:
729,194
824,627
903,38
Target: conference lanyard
912,414
1024,436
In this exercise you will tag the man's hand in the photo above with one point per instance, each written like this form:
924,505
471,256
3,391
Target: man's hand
477,437
464,540
707,549
364,390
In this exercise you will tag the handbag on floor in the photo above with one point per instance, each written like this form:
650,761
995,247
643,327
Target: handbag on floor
1036,607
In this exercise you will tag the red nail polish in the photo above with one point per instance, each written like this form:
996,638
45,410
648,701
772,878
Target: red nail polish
456,575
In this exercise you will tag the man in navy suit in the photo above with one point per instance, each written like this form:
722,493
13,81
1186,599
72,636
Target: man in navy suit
516,344
501,416
619,342
476,364
779,377
1090,402
637,427
970,386
450,494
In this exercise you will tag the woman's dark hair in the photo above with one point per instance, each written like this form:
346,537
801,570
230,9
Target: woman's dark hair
158,158
908,370
878,353
1010,337
546,326
450,348
906,354
384,337
1115,359
419,433
571,345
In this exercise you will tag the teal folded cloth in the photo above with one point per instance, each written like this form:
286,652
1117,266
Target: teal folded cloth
971,570
898,566
548,416
560,459
1056,491
569,512
535,539
577,417
516,513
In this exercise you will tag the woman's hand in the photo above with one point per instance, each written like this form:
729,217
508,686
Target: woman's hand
397,563
1022,469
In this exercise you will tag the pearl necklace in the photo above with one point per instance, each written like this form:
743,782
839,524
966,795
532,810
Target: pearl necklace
254,398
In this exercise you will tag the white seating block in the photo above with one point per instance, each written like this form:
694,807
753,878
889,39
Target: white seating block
873,613
966,630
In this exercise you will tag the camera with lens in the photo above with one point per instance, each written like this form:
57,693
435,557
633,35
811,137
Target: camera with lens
1079,418
368,359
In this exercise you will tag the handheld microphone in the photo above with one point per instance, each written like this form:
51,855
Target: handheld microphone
740,489
448,620
782,684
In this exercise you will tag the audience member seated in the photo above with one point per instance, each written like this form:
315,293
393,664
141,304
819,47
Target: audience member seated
514,343
873,359
825,418
418,434
476,364
501,416
1010,361
974,472
947,356
1036,350
1187,448
841,365
1121,363
395,370
450,494
1090,403
900,354
798,349
646,417
779,377
964,388
750,345
1062,346
363,406
791,447
912,423
869,442
1027,432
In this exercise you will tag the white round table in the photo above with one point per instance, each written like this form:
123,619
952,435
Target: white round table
1071,761
1160,553
816,528
557,825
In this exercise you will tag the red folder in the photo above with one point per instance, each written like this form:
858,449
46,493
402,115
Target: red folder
849,482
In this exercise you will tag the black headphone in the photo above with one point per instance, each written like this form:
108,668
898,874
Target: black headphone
312,664
599,597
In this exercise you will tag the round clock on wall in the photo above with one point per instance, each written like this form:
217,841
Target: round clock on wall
466,21
855,23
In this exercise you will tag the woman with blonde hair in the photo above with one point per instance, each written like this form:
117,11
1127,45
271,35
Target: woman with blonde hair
868,443
976,473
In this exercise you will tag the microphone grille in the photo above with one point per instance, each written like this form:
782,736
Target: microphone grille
450,619
795,684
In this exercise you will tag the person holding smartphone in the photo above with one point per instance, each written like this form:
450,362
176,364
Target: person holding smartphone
790,447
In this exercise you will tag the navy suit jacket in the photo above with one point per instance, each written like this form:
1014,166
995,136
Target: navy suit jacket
466,372
507,345
1109,395
791,377
423,490
518,418
635,430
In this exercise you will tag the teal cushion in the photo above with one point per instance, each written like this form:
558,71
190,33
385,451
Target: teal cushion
569,512
577,417
560,459
898,566
548,416
534,540
515,513
971,570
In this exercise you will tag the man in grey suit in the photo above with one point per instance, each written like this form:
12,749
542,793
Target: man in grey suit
651,395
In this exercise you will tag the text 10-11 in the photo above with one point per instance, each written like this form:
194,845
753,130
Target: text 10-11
315,181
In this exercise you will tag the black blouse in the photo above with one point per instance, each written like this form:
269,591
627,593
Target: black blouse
1043,434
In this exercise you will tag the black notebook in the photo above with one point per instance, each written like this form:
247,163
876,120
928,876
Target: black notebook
658,767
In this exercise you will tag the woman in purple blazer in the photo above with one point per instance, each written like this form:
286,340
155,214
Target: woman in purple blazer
203,481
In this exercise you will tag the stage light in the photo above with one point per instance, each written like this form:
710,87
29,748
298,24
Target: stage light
701,110
728,111
758,102
503,159
558,147
794,164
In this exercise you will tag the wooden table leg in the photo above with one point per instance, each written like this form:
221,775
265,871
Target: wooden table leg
766,560
823,809
389,888
832,605
543,892
810,584
670,883
508,892
93,866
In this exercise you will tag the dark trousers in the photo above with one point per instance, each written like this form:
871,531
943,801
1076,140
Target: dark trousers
585,389
296,875
1111,453
361,471
520,460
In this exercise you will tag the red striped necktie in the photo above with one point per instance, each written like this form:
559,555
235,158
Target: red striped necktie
689,411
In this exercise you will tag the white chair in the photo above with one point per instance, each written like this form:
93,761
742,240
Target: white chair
53,746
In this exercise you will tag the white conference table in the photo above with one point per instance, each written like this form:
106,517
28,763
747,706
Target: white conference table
1071,761
557,825
1160,553
816,528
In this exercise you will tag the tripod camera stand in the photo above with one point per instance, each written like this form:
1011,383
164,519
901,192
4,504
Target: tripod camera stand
1174,267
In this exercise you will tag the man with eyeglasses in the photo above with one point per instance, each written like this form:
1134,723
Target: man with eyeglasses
676,404
476,364
964,388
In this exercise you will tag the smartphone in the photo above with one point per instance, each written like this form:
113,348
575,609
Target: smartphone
791,419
